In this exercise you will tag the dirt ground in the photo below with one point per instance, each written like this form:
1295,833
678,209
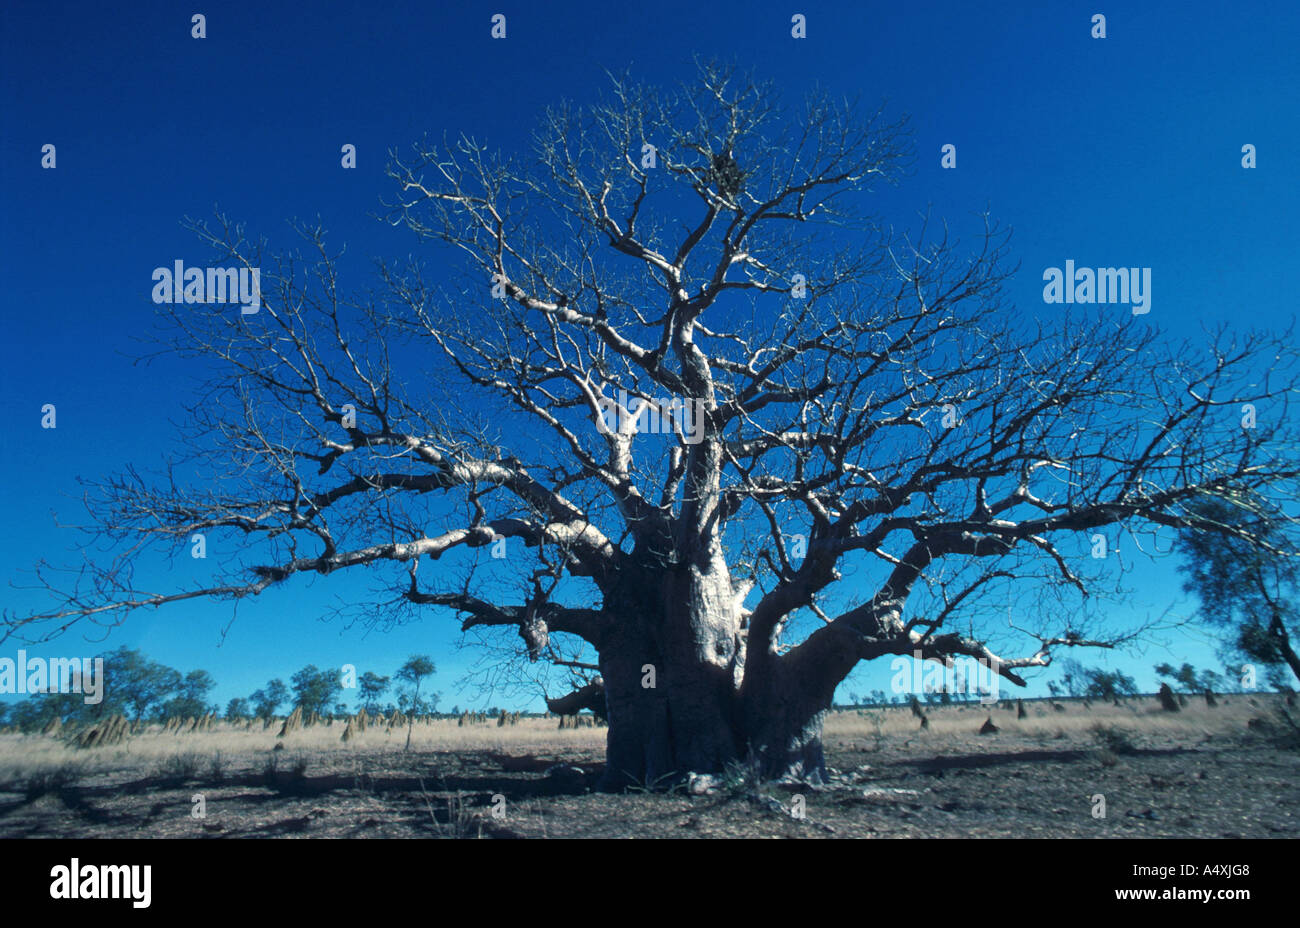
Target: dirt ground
1225,771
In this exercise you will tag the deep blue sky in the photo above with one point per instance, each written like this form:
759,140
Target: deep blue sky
1122,151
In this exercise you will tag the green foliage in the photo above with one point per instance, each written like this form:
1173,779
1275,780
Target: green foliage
1232,564
416,668
314,689
412,674
1073,679
1109,684
136,684
1184,678
191,699
133,685
1188,679
267,701
373,687
740,778
1093,682
36,711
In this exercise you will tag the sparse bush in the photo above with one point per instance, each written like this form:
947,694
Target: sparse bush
1112,740
462,822
740,778
288,780
1282,730
52,779
177,768
877,720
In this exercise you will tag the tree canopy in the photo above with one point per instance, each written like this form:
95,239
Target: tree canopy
692,425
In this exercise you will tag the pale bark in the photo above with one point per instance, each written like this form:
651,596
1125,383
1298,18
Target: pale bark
820,407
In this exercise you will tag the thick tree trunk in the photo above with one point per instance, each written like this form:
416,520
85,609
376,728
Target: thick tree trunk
785,705
693,721
671,677
670,694
685,722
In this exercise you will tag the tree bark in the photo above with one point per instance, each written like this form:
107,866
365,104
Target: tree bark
672,690
670,678
785,702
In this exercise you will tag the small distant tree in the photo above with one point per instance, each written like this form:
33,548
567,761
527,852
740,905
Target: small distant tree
138,685
1182,679
373,687
32,714
1229,681
238,709
938,696
267,701
1074,680
1094,683
1277,679
1109,684
314,689
1213,680
412,673
191,699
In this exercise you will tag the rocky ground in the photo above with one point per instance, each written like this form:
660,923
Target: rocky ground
1209,773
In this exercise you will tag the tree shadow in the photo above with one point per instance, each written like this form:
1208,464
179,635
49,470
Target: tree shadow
1002,758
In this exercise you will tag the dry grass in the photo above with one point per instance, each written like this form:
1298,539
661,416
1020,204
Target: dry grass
37,757
1136,716
22,756
1205,772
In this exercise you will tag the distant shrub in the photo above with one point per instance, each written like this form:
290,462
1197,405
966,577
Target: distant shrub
52,779
178,768
1112,740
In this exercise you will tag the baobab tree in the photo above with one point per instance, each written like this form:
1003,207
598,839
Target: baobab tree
691,423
